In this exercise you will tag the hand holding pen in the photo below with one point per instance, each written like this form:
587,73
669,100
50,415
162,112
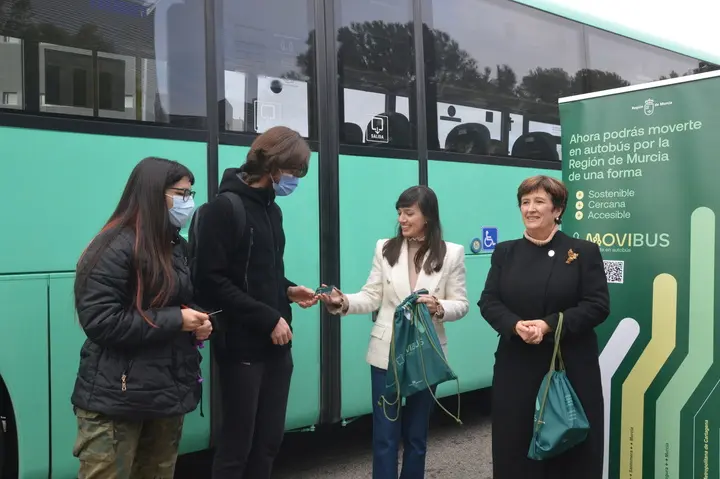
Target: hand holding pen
192,319
197,322
204,331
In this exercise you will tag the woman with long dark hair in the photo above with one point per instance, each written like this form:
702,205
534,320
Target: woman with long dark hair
139,368
416,258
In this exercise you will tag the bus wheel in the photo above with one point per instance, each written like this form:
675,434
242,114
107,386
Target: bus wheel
8,439
3,429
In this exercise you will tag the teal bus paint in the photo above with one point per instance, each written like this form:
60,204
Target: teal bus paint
65,160
60,212
362,191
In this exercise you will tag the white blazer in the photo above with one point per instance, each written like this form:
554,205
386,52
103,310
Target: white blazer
387,287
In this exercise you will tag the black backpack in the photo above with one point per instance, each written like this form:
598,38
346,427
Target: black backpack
238,213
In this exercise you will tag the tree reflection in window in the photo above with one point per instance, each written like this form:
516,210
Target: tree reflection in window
376,56
478,105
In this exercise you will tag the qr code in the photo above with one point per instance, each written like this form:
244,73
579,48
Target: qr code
614,271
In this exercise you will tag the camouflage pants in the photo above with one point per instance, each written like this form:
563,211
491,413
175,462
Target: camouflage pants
111,449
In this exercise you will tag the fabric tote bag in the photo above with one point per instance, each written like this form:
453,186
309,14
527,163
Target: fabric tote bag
560,422
416,361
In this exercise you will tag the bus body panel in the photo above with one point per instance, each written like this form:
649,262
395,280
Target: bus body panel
67,186
61,212
24,367
369,188
66,338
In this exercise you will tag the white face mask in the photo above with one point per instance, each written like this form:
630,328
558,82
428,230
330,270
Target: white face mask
181,210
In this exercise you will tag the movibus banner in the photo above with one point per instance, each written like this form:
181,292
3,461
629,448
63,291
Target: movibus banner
642,164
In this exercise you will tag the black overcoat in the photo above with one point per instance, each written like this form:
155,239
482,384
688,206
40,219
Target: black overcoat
526,282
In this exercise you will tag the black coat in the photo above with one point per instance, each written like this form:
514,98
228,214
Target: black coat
244,276
161,365
526,283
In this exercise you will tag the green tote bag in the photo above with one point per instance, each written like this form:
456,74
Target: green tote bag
416,361
560,422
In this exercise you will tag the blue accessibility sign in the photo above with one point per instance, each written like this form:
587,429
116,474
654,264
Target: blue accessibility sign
489,238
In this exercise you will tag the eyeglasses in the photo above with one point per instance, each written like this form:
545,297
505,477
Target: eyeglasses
186,194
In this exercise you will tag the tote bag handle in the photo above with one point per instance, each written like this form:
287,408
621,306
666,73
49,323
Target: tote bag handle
557,355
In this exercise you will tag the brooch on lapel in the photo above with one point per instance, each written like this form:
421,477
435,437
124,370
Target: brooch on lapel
572,256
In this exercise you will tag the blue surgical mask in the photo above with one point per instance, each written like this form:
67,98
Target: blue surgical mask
285,185
181,210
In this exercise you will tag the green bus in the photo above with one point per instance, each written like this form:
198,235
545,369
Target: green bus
457,94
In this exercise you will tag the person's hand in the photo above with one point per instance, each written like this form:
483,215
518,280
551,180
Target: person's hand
334,299
193,319
204,331
304,297
529,333
430,302
281,334
536,329
540,324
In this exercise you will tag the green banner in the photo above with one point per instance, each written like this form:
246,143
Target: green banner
642,164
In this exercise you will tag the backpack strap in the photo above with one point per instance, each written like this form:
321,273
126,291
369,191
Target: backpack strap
194,230
238,212
193,233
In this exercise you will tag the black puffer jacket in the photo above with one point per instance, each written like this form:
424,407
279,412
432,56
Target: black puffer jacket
161,365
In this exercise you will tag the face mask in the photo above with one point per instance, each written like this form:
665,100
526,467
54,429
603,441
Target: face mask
285,185
181,210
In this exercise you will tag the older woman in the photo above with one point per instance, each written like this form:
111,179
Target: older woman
530,281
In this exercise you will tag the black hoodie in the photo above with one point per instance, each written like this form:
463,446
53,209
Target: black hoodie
245,278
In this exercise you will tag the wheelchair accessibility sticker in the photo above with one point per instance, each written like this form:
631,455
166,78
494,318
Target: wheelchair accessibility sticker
489,238
486,243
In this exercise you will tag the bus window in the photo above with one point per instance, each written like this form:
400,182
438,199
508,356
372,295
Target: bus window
458,115
268,66
615,61
552,130
515,131
360,109
498,65
125,60
11,82
376,62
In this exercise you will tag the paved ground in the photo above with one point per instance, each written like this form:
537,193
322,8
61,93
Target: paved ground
455,451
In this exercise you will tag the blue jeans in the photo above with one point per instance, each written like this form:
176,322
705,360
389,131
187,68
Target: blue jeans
411,426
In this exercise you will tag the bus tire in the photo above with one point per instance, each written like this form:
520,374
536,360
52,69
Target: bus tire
8,437
2,447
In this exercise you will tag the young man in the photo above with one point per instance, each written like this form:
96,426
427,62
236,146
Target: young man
239,268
